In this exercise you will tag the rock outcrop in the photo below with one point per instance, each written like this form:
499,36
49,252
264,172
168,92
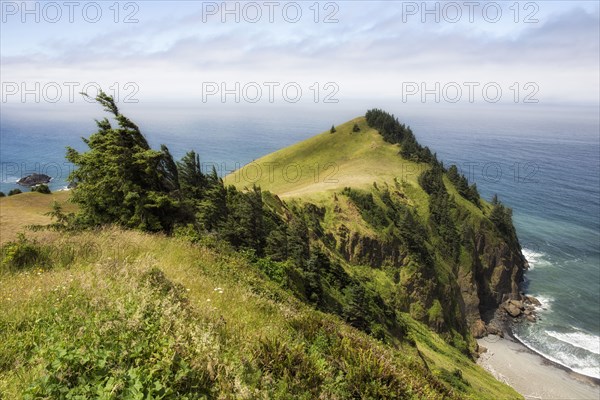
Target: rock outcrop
34,179
365,250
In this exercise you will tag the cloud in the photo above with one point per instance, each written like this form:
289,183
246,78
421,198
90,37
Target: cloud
371,50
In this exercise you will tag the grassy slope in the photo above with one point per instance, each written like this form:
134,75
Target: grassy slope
26,209
250,341
343,158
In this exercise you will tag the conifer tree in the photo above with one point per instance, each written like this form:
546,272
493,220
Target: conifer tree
120,179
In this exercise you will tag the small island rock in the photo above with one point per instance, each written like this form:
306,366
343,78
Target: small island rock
34,179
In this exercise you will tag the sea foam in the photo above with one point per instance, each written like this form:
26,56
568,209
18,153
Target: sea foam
586,366
535,258
579,339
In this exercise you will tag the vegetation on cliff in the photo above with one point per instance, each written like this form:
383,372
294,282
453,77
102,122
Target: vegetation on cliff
361,278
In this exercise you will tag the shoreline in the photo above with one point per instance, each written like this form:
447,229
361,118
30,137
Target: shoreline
574,374
531,374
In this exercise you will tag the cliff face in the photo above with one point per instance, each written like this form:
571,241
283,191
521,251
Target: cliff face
474,289
365,250
493,278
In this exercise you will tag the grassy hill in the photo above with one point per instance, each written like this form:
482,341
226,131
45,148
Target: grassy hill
123,314
328,162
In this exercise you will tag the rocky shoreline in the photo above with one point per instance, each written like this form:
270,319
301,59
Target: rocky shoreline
510,311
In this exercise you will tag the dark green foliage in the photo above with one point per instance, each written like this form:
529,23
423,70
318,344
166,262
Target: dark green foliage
355,128
276,246
121,179
440,206
23,253
357,310
369,210
12,192
62,221
394,132
298,240
461,184
244,225
332,130
275,270
211,210
454,379
431,181
191,179
2,194
316,265
41,188
501,216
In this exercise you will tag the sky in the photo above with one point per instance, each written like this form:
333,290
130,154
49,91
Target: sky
463,52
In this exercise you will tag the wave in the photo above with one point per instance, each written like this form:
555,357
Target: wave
579,339
586,366
546,301
535,258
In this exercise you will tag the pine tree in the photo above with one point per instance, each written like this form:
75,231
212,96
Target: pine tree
121,179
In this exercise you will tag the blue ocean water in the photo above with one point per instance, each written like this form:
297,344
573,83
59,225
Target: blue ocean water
544,162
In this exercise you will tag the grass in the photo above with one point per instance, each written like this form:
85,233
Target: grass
328,162
27,208
122,314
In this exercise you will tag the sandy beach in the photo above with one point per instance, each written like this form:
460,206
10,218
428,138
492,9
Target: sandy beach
532,375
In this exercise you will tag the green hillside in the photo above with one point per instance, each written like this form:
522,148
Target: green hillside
123,314
328,162
153,279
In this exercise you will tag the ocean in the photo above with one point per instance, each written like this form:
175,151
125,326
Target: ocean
542,161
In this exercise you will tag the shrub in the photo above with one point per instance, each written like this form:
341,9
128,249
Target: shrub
355,128
22,253
14,191
2,194
41,188
277,271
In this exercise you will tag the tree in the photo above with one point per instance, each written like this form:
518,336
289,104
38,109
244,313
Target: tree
41,188
191,179
212,208
120,179
332,130
298,242
501,216
244,226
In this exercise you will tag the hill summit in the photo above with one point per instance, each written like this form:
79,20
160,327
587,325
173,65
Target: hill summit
418,221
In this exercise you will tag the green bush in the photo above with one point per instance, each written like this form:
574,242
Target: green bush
2,194
276,271
41,188
23,253
14,191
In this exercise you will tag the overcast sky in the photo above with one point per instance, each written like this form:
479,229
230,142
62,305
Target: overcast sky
177,50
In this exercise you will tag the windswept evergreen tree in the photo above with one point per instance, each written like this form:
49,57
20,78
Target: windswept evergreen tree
120,179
